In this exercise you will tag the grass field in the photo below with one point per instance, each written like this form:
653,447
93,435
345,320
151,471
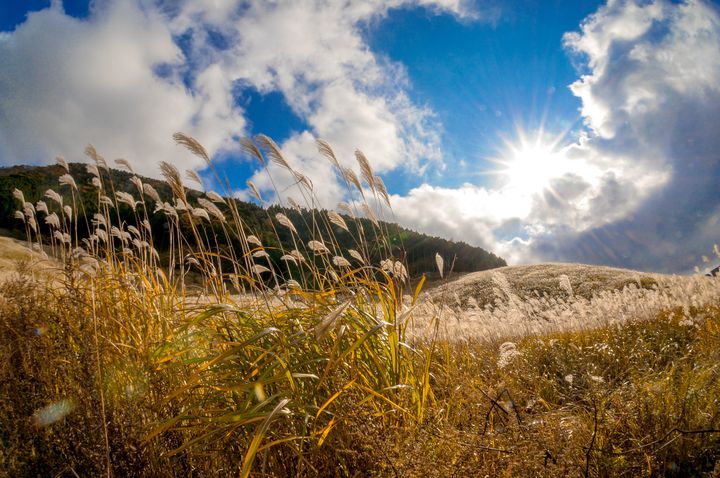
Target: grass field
332,365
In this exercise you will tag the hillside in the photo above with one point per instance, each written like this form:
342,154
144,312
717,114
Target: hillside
14,254
480,288
542,298
417,249
540,370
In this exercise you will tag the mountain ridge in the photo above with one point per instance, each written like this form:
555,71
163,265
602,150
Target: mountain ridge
417,249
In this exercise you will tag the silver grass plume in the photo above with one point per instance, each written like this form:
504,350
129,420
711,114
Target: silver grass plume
325,149
201,213
285,221
328,322
565,284
294,204
92,169
365,169
251,239
125,163
91,152
292,284
124,236
318,247
138,184
297,255
286,257
126,198
101,235
172,177
370,214
345,207
151,193
64,164
17,194
215,197
67,180
212,209
29,209
134,230
273,151
440,264
340,261
140,245
254,190
356,255
192,145
251,148
62,237
304,180
337,219
54,196
351,177
99,220
394,268
106,201
194,176
380,186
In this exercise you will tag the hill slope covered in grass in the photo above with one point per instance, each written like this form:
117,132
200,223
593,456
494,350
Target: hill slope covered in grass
112,371
15,253
543,298
481,288
416,249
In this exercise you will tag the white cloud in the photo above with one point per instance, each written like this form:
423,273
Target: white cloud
314,54
644,174
67,82
646,195
653,99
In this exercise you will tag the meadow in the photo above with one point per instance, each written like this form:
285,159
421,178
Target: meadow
213,360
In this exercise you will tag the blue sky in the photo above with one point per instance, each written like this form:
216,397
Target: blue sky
548,130
484,80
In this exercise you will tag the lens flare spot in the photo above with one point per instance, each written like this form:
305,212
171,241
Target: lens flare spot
53,413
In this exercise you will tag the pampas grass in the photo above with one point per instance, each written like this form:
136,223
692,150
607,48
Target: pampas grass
249,356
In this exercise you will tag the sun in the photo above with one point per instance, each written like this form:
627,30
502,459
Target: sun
529,167
532,171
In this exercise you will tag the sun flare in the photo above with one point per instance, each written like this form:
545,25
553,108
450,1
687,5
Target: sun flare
528,167
531,168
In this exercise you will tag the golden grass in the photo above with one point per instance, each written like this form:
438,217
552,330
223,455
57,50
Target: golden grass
325,363
13,252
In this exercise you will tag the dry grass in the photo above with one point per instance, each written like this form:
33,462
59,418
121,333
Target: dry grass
541,298
477,289
13,252
326,364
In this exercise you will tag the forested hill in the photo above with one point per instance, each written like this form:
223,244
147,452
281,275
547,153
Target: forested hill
417,249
